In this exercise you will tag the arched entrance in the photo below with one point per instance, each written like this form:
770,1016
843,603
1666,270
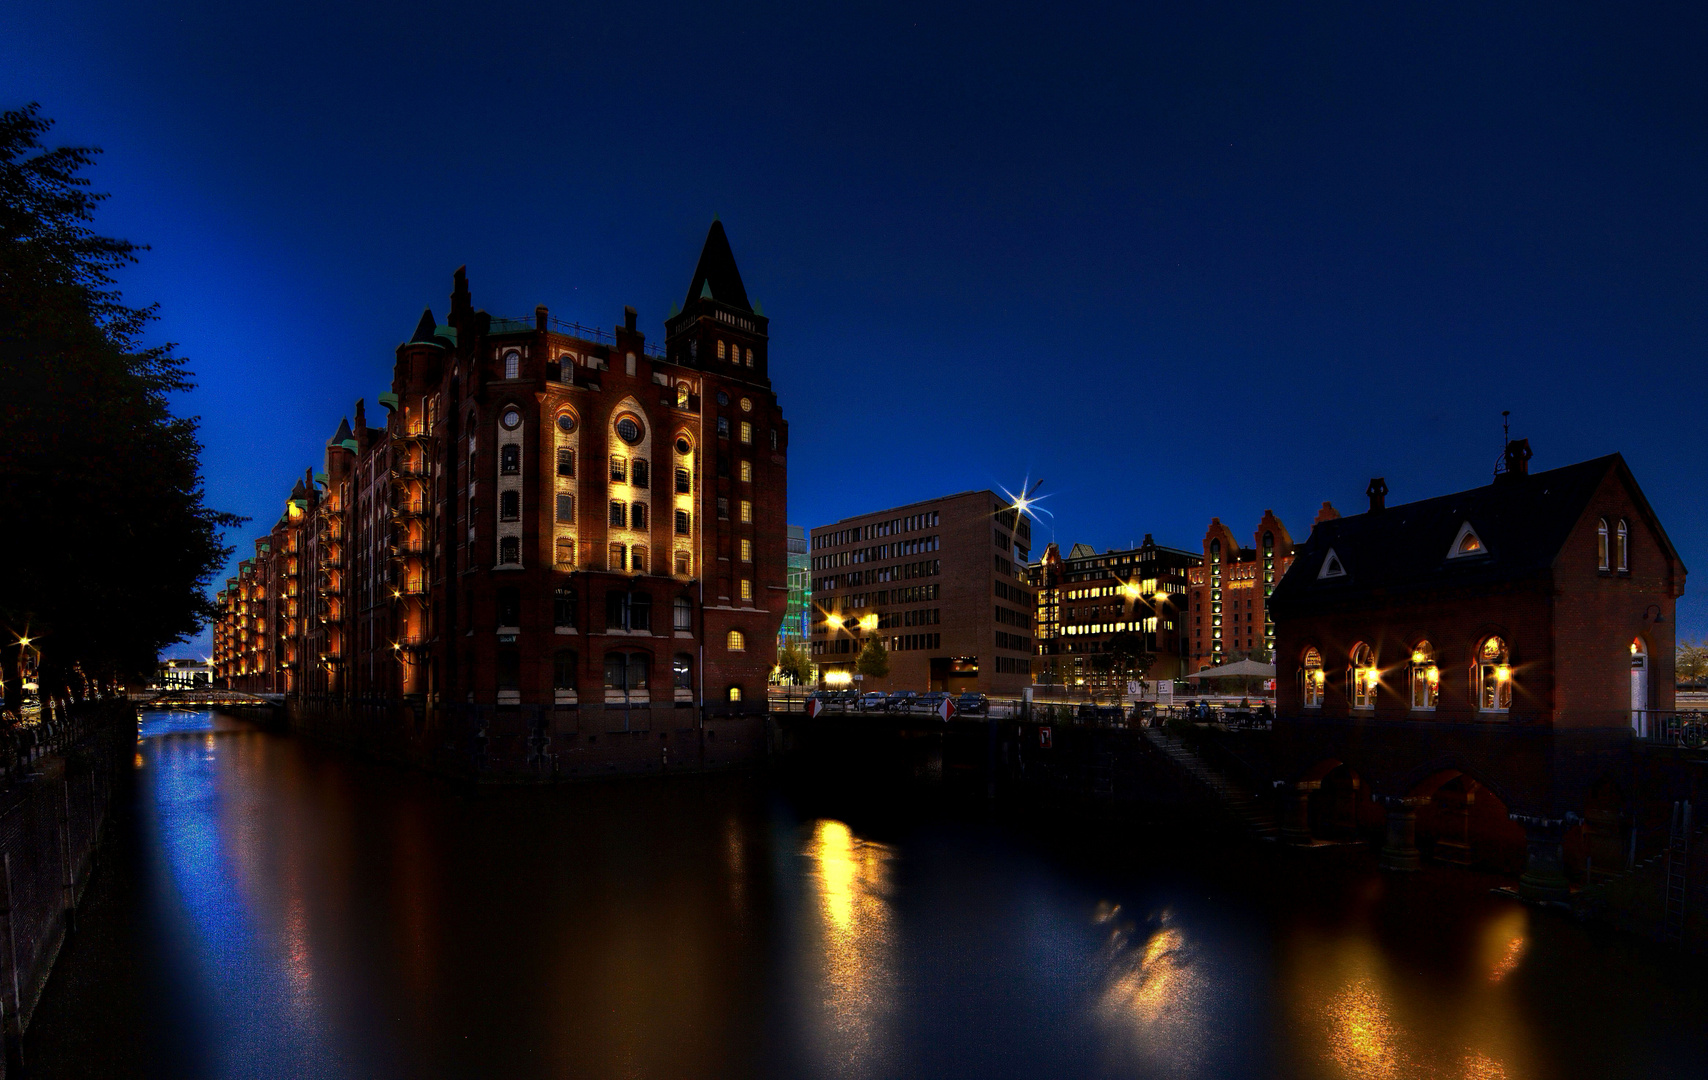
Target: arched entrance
1461,822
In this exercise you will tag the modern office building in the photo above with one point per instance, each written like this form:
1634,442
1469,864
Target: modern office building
941,582
1088,600
560,539
796,625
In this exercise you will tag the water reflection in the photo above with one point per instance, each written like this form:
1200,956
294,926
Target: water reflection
851,879
317,916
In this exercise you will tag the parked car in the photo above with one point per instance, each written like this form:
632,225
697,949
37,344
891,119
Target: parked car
976,704
900,700
930,702
872,701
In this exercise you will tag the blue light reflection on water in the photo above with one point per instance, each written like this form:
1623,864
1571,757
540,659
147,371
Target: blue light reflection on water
244,958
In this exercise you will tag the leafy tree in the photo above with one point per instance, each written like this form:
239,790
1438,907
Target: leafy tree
1125,658
1692,662
874,660
107,545
794,664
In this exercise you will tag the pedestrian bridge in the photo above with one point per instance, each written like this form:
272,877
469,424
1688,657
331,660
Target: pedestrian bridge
203,699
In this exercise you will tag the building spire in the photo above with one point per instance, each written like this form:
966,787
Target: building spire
424,329
716,275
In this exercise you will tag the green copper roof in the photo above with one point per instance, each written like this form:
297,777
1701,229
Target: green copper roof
349,444
322,478
449,333
389,401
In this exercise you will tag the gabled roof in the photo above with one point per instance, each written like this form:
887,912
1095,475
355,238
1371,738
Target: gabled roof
1522,523
716,275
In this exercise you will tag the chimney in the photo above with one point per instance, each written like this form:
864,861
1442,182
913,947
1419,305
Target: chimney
629,317
1327,513
1518,457
1378,492
540,317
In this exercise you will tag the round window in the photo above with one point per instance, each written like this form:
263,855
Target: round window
566,423
723,398
682,446
629,430
510,419
746,405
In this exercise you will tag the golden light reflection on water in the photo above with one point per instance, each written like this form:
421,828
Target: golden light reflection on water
1367,1019
1154,991
851,877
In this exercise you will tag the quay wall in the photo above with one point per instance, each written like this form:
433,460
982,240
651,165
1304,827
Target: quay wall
522,744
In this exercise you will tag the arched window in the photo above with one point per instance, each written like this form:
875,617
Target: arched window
1622,549
682,671
1312,673
736,641
1425,677
512,364
1363,676
563,607
1492,676
1601,544
681,395
510,506
735,693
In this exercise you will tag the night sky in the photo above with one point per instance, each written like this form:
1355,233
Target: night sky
1183,261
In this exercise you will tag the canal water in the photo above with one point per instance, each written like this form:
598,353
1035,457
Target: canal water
273,909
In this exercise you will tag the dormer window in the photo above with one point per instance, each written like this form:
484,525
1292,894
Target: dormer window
1466,544
1332,566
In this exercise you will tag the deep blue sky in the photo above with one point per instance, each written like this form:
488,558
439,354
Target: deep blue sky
1183,261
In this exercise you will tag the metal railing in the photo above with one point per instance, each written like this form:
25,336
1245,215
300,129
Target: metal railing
1666,728
506,325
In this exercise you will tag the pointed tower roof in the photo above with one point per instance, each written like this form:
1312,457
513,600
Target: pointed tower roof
716,275
343,432
424,329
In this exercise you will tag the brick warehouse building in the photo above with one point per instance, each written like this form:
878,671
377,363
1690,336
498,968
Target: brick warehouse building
1543,597
941,581
559,540
1227,603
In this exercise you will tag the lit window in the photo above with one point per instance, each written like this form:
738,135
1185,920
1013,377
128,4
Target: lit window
1363,677
1601,544
1493,675
746,510
749,357
682,671
1425,677
747,551
746,432
1623,549
736,641
747,472
721,347
735,693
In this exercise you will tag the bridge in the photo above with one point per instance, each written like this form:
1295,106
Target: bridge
204,699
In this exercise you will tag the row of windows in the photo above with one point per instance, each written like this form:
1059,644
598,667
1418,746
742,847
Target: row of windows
1621,547
1490,677
1006,591
910,523
877,553
1010,617
1013,665
734,352
1016,642
889,620
914,642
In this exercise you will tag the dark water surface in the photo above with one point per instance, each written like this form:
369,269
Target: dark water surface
271,909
